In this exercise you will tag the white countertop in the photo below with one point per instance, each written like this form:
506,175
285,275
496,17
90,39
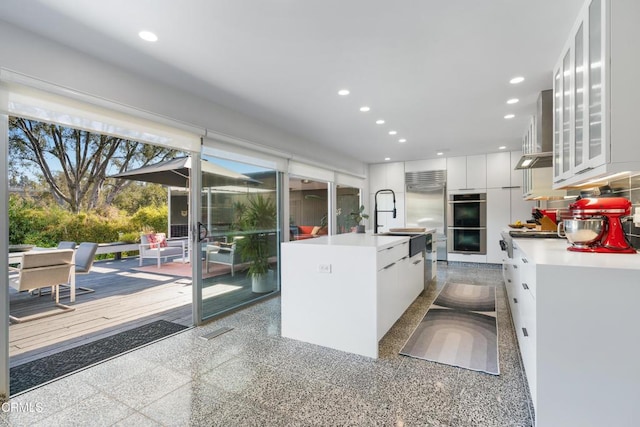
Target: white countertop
554,252
352,239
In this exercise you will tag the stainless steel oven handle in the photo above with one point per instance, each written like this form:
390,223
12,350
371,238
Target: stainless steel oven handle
467,228
467,201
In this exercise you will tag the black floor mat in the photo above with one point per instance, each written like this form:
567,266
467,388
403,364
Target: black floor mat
36,372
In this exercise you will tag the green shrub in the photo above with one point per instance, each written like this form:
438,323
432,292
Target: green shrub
130,237
45,226
155,217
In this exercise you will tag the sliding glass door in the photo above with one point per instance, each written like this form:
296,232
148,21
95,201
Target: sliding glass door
239,234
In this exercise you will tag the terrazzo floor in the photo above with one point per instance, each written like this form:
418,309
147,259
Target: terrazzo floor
251,376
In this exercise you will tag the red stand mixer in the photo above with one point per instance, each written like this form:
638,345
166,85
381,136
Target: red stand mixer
597,225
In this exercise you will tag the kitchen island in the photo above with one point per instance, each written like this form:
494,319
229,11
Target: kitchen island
576,317
346,291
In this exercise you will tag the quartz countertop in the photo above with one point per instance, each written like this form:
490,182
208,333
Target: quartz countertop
554,252
353,239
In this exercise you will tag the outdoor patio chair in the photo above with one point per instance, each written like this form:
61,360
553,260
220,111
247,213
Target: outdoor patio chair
67,245
157,251
227,255
84,257
83,260
43,269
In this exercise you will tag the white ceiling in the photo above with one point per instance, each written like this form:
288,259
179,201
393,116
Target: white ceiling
436,70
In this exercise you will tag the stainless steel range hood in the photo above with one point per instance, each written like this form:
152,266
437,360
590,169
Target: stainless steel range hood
542,155
535,160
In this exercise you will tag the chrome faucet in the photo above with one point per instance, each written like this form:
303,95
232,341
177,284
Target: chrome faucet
375,210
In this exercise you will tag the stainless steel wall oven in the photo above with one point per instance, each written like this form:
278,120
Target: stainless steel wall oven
467,223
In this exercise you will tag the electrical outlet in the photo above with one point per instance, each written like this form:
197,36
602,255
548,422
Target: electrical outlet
324,268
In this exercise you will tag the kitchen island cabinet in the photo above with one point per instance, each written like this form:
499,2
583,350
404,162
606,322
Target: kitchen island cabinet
346,291
576,318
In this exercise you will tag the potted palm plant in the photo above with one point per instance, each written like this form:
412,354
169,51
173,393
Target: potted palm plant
258,222
357,217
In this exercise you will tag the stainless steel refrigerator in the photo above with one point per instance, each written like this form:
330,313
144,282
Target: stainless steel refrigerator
425,200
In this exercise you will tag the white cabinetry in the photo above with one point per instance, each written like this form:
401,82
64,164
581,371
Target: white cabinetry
346,291
516,174
499,170
524,290
595,95
467,172
498,216
520,286
456,172
425,165
571,355
505,204
387,176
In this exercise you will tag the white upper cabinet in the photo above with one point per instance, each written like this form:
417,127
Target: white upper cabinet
477,171
386,175
425,165
499,170
596,94
516,174
467,172
395,176
456,172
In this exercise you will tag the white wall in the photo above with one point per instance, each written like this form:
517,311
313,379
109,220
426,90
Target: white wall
32,55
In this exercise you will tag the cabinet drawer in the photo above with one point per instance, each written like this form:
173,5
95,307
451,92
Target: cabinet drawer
392,254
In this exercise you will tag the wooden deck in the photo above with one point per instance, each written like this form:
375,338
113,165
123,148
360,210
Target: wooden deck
124,298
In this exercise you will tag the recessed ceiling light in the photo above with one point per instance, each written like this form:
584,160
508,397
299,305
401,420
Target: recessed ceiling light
343,92
509,116
392,132
148,36
516,80
387,159
402,140
379,122
513,101
364,109
502,147
439,153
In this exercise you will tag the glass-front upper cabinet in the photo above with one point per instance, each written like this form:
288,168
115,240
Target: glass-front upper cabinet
580,113
557,109
567,87
578,101
563,118
596,95
596,84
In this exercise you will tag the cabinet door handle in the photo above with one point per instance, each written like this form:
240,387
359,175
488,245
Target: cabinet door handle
509,280
583,171
390,265
524,260
515,266
515,300
417,262
524,332
524,285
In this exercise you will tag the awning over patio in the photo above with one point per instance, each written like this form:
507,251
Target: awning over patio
176,173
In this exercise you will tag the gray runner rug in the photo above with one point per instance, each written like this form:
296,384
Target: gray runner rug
460,329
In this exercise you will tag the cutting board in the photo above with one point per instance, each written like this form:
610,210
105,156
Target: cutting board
547,224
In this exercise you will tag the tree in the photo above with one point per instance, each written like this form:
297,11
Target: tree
74,163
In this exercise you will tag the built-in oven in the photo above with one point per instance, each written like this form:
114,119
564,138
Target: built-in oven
467,223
